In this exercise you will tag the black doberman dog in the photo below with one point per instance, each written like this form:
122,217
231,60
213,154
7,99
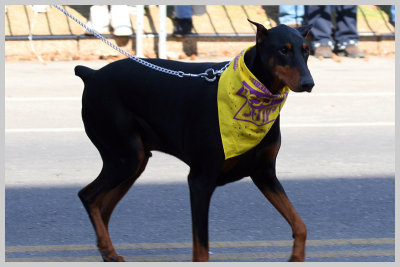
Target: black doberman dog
129,110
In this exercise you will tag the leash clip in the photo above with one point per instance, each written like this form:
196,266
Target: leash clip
209,75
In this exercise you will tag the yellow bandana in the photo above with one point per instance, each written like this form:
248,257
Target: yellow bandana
246,108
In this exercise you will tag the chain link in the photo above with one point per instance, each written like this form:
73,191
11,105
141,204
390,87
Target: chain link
209,75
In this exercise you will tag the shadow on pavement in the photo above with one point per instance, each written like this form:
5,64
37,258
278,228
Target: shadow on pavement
332,208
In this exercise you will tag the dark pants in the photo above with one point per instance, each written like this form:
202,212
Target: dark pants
346,19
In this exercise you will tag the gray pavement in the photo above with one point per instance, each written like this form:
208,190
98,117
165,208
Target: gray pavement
336,164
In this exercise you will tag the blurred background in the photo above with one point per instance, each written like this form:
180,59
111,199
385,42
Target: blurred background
58,38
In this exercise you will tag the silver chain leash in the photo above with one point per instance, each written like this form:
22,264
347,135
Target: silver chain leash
210,74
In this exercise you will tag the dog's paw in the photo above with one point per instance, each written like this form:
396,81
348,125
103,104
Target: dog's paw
295,258
116,258
112,257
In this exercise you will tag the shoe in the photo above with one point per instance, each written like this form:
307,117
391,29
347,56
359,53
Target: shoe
353,51
120,20
182,27
323,51
123,31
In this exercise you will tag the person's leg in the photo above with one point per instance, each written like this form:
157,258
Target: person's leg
183,22
346,34
321,32
183,12
291,15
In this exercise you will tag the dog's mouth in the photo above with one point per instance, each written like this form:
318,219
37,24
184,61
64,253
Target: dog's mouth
301,90
306,85
307,88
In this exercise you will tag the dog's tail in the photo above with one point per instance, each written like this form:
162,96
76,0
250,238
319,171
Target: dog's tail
84,72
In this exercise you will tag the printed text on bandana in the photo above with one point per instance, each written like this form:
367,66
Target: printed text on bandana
258,105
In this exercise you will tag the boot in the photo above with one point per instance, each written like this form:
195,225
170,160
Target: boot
182,27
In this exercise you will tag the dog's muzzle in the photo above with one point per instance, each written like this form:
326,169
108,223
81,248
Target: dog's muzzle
306,84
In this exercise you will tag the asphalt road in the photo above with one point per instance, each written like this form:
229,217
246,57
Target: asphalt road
336,163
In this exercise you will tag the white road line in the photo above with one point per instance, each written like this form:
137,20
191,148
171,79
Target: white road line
337,124
289,125
39,99
44,130
345,94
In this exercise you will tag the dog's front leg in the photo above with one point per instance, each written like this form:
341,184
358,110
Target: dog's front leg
272,189
201,188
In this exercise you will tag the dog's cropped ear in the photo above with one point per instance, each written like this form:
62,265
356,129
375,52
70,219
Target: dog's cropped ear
305,30
262,32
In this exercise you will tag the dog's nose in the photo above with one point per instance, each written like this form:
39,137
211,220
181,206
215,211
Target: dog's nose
307,84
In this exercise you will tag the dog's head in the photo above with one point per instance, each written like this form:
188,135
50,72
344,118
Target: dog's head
283,51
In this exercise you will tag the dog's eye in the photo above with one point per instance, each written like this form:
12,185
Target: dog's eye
284,51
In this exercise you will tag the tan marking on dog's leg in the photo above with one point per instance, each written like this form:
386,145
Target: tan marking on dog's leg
109,202
112,198
104,243
200,253
280,201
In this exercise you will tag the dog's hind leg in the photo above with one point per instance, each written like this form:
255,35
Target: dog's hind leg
102,195
274,192
124,159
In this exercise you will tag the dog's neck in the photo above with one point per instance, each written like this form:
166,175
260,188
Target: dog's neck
265,76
